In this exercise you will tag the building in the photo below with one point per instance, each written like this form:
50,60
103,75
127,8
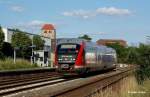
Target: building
48,30
7,34
47,46
112,41
41,57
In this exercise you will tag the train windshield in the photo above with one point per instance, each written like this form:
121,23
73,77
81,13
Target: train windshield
68,48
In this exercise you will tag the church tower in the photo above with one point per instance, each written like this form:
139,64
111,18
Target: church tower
49,31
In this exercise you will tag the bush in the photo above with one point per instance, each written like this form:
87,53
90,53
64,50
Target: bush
143,60
8,64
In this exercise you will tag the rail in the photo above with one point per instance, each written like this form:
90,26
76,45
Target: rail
76,87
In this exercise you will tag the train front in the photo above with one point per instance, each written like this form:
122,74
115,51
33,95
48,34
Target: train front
69,57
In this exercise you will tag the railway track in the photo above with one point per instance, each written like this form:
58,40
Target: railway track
93,84
58,86
10,81
29,85
26,78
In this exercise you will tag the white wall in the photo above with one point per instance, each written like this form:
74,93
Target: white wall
7,34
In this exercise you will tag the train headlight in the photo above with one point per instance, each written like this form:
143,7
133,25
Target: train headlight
60,59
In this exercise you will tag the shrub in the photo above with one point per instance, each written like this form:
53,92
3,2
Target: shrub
8,64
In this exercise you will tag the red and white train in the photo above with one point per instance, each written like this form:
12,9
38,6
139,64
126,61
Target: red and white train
79,56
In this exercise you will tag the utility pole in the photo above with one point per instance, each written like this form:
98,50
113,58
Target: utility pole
14,56
32,48
15,49
32,55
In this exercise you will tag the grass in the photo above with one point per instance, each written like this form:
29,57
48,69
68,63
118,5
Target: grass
8,64
128,87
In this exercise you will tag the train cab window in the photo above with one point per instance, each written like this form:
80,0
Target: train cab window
68,48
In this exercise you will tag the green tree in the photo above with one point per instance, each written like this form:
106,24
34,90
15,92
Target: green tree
38,42
140,56
7,49
121,52
22,41
86,37
143,60
1,41
135,55
132,55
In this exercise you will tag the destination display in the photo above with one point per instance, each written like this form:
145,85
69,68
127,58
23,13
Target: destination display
70,46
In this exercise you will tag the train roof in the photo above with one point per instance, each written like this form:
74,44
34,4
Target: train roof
69,40
88,44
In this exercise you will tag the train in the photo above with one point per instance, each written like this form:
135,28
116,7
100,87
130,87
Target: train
79,56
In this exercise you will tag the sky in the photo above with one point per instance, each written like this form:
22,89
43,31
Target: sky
100,19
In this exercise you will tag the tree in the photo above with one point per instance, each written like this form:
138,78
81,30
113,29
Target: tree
38,42
86,37
23,42
1,41
143,60
121,52
7,49
132,56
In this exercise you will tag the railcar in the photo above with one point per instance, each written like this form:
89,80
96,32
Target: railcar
80,56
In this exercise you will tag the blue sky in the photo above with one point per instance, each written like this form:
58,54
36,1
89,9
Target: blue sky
101,19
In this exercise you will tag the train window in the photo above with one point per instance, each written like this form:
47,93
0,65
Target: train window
107,58
68,48
41,58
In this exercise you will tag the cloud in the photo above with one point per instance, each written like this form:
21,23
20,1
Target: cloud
79,13
111,11
34,24
99,33
17,8
93,33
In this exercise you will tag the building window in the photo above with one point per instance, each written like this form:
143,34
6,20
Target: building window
41,58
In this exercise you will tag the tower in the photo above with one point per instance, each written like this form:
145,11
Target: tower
48,30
